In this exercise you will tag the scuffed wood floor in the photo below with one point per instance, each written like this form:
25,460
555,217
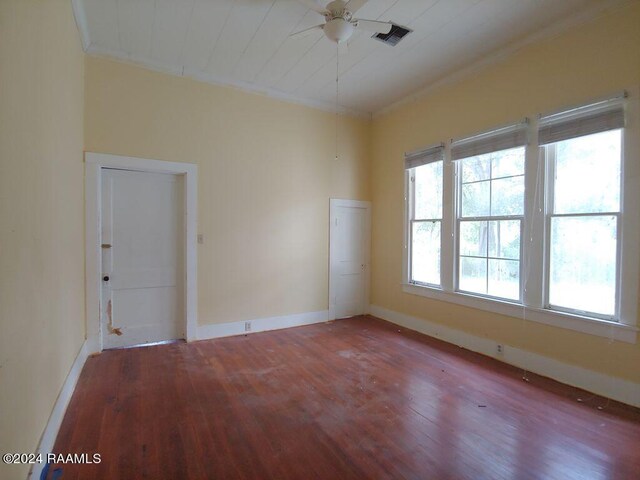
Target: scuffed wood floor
351,399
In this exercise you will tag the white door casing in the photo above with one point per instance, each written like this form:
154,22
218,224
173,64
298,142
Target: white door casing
95,165
349,257
142,288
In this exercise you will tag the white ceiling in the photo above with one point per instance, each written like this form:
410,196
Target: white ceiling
245,42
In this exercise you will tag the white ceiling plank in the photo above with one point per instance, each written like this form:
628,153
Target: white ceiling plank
135,25
289,51
246,42
325,75
324,51
362,45
372,10
286,57
434,57
244,20
405,12
170,30
437,20
207,22
422,17
283,19
476,32
402,12
425,62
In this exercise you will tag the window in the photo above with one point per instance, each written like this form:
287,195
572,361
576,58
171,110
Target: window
490,188
583,223
535,228
490,223
426,224
424,170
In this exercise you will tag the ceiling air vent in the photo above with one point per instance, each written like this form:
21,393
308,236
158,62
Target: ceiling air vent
392,38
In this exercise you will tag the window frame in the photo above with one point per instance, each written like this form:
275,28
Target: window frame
549,154
534,244
410,207
459,219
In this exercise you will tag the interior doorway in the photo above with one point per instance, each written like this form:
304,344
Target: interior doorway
141,239
349,257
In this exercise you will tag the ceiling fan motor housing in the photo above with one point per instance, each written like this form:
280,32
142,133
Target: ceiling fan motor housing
338,30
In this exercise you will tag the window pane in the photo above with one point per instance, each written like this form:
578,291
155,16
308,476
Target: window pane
425,255
507,163
473,238
428,191
504,278
475,199
507,196
583,263
504,239
588,174
473,275
476,168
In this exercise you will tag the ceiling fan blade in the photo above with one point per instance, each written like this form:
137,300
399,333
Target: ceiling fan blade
373,26
354,5
307,31
313,5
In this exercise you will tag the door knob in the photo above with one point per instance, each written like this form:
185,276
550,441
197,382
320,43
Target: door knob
105,278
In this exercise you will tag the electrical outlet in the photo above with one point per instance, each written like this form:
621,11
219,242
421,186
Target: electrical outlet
499,349
247,326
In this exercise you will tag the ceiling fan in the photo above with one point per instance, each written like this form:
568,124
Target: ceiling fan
339,20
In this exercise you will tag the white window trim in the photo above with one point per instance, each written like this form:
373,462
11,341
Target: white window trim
410,208
602,328
533,296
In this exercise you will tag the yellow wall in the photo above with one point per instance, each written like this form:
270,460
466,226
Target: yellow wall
41,215
266,172
594,59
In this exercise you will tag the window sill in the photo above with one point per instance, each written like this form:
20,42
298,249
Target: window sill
602,328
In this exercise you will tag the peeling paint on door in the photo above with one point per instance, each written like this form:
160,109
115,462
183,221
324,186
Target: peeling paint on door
112,331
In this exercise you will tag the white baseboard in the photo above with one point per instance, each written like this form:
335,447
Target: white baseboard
57,414
618,389
261,324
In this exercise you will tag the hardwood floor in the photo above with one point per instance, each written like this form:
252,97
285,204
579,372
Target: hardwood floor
351,399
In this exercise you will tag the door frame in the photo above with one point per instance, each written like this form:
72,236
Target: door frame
334,204
94,164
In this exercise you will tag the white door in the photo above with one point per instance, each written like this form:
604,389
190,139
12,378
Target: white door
142,258
349,258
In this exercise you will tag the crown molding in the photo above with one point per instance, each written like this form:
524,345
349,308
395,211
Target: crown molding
452,78
212,79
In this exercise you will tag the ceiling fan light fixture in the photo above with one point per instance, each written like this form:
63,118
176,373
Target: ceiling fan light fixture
338,30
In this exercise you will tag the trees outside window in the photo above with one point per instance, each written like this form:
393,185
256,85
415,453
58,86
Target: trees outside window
490,223
531,222
583,222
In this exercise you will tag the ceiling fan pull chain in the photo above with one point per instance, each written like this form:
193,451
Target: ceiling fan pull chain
337,92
